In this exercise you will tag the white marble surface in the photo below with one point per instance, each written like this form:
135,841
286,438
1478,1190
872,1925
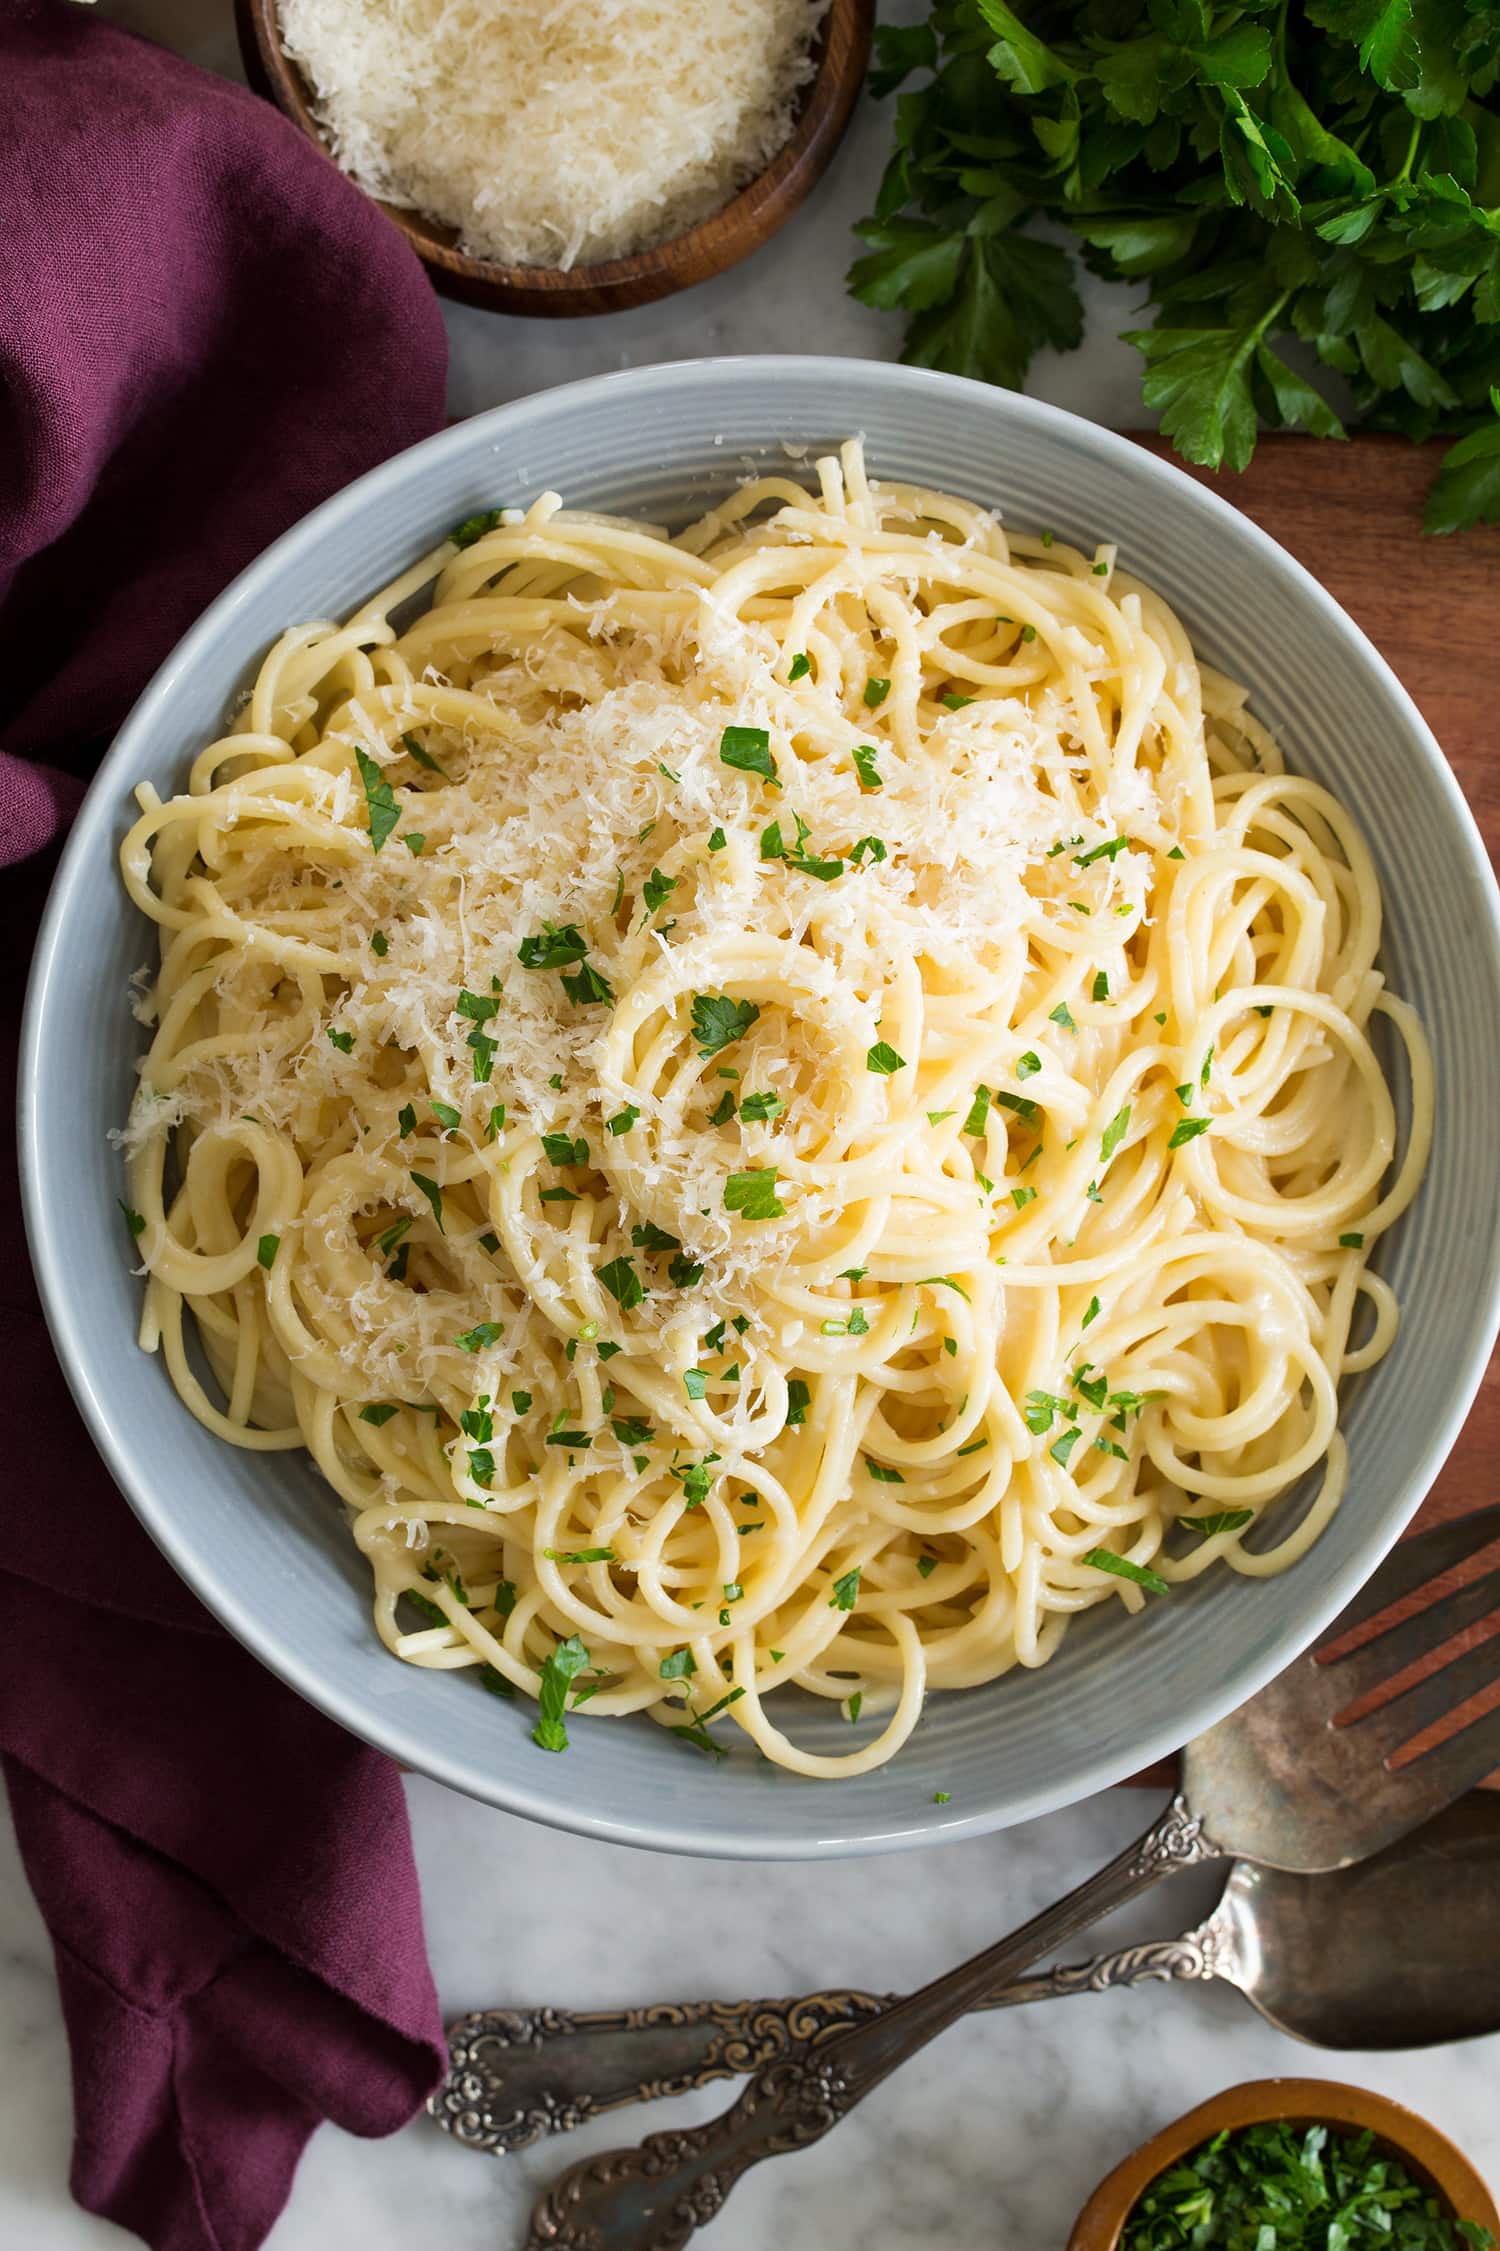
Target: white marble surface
992,2140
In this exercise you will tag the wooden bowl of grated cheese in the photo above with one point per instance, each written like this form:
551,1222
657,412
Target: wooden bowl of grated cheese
578,158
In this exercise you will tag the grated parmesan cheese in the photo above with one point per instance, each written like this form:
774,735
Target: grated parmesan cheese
554,132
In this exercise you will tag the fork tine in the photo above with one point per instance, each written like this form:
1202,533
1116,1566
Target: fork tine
1459,1764
1388,1653
1426,1555
1429,1700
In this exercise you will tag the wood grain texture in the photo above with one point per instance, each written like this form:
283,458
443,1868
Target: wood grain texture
841,56
1352,515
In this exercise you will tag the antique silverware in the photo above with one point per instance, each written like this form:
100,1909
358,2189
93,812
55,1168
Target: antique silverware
1279,1782
1401,1951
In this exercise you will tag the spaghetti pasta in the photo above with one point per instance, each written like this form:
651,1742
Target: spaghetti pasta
779,1105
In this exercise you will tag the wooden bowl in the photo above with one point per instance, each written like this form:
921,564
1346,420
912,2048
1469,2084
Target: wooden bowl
841,55
1427,2154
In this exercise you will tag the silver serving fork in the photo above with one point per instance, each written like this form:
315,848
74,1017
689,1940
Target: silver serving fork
1280,1782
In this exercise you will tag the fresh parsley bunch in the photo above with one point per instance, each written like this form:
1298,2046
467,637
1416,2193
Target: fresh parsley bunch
1329,171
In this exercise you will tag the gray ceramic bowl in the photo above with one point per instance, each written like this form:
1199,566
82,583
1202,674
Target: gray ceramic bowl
259,1537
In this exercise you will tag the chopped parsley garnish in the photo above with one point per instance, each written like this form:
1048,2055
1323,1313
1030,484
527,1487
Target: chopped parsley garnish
1177,853
695,1383
447,1116
1021,1197
377,1416
1028,633
798,1399
579,1555
748,750
717,840
623,1283
801,665
854,1706
1351,1242
1092,1313
558,1196
759,1109
753,1193
431,1611
883,1475
551,947
926,1565
1284,2186
1062,1447
1223,1520
954,701
979,1110
414,840
1114,1133
265,1249
1187,1129
421,757
1105,1559
865,755
562,1149
632,1430
882,1058
477,1007
585,985
657,889
489,1241
475,527
683,1272
876,692
576,1441
718,1020
845,1591
723,1109
496,1122
483,1333
650,1237
623,1120
496,1682
1022,1104
679,1666
950,1346
380,945
483,1049
343,1041
1108,850
1029,1064
380,799
1101,984
695,1480
567,1660
873,845
434,1195
385,1243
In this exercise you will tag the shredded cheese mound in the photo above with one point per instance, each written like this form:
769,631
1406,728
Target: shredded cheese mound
554,132
773,1106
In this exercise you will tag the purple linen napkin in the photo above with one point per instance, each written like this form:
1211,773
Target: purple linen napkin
203,331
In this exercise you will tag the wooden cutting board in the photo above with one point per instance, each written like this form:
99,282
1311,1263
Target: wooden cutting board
1352,515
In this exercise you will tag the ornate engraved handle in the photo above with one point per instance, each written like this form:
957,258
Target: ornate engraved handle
519,2074
654,2197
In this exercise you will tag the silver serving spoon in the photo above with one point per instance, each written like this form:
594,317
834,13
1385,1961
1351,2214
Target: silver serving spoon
1402,1951
1323,1768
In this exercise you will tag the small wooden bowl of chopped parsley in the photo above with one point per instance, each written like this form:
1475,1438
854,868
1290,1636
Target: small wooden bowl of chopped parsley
1292,2165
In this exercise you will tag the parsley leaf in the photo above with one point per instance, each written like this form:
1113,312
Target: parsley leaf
566,1662
864,765
380,799
1105,1559
717,1020
748,750
845,1591
883,1059
753,1192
